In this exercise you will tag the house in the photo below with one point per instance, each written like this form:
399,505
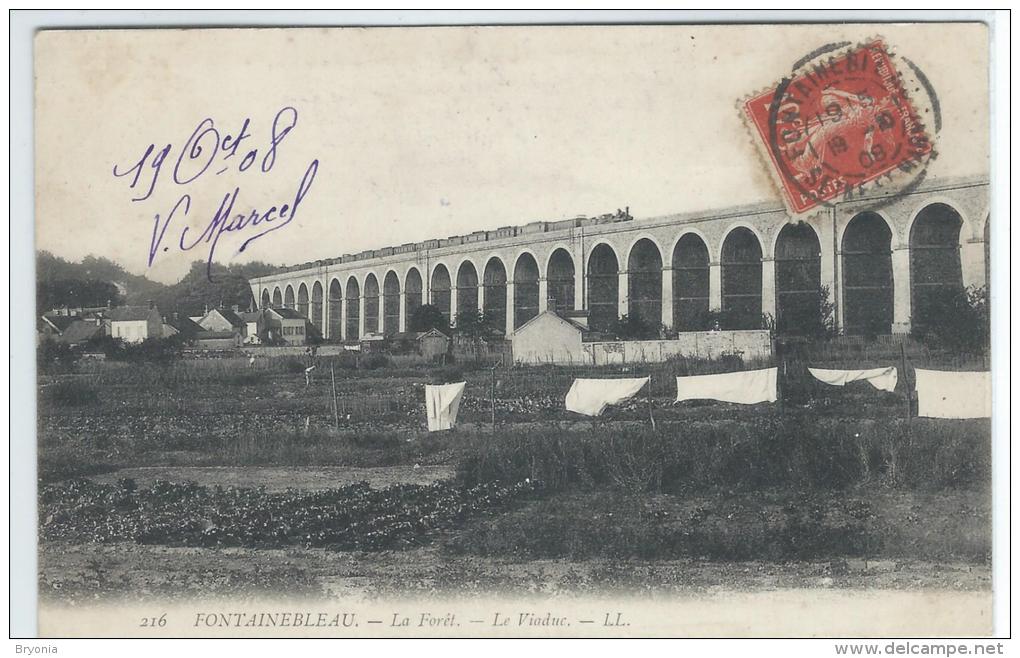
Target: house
550,338
286,324
133,324
221,320
81,331
254,326
181,325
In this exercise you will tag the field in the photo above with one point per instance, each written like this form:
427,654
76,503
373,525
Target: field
213,478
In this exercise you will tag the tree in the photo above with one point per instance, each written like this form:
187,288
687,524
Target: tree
427,317
954,319
473,324
633,327
75,292
811,315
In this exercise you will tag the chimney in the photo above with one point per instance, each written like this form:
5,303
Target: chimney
206,311
109,303
235,308
175,316
152,304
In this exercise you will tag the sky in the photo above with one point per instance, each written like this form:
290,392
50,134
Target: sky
418,133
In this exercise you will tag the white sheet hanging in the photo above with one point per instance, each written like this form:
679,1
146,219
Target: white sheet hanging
884,379
441,405
591,396
943,394
747,387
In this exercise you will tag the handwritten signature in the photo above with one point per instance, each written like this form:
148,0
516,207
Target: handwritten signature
206,146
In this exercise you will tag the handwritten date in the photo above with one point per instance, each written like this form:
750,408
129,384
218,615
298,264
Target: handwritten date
208,149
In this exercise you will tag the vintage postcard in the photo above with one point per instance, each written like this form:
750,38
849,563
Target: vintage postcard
514,331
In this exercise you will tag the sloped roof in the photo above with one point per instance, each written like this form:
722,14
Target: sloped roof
80,331
287,313
59,322
251,316
185,326
567,321
129,313
229,316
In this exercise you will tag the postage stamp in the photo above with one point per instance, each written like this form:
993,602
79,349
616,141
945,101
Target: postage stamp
843,120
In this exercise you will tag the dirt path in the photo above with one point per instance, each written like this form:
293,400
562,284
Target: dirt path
70,572
280,478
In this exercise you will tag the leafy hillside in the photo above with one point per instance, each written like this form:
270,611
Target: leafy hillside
95,281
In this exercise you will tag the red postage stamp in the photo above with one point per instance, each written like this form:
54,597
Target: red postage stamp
840,124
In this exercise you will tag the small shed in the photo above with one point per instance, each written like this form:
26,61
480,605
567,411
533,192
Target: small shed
432,343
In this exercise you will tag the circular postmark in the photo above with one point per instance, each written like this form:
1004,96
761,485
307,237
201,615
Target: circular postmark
843,125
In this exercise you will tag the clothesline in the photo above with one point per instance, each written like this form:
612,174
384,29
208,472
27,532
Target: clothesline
940,394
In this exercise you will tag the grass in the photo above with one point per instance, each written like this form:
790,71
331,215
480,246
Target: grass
793,450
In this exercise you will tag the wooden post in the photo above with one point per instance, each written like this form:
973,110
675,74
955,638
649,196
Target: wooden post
650,416
906,384
332,381
779,360
492,396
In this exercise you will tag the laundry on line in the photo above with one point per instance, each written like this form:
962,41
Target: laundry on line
591,396
441,405
884,379
942,394
746,387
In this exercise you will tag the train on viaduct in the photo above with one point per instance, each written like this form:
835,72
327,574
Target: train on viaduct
876,257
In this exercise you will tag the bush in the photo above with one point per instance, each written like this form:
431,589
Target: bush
151,350
374,362
633,327
55,358
953,319
812,316
776,450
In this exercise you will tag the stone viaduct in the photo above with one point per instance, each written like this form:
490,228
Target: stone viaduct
877,256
